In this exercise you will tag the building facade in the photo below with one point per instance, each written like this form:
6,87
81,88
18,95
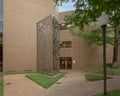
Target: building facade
74,51
31,43
20,32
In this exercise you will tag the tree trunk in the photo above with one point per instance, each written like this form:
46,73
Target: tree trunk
115,49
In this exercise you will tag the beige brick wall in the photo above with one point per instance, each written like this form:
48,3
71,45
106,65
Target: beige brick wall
19,32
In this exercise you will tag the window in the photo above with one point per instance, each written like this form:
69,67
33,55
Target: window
1,27
65,44
63,26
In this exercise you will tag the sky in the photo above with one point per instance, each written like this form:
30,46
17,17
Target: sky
67,6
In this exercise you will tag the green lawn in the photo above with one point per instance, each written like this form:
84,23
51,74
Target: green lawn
45,80
1,86
111,93
93,77
113,69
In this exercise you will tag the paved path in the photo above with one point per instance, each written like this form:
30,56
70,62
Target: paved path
19,85
73,84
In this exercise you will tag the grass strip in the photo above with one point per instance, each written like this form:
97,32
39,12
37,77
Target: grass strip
45,80
111,93
1,86
94,77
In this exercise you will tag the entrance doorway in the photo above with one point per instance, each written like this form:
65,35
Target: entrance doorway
65,62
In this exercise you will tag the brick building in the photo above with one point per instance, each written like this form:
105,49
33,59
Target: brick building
31,39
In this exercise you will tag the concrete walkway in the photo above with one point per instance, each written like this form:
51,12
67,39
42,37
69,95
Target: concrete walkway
73,84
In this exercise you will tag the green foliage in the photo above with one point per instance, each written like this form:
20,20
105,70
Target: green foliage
88,11
94,77
93,9
111,93
94,36
77,22
45,80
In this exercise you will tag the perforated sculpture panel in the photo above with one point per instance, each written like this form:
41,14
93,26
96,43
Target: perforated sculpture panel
48,46
56,47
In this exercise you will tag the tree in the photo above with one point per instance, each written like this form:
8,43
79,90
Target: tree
88,11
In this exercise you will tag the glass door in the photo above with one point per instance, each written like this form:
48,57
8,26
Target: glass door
65,62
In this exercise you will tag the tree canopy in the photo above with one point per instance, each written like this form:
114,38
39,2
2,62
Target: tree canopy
89,10
92,9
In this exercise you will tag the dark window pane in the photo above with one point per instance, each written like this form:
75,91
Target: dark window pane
63,26
65,44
